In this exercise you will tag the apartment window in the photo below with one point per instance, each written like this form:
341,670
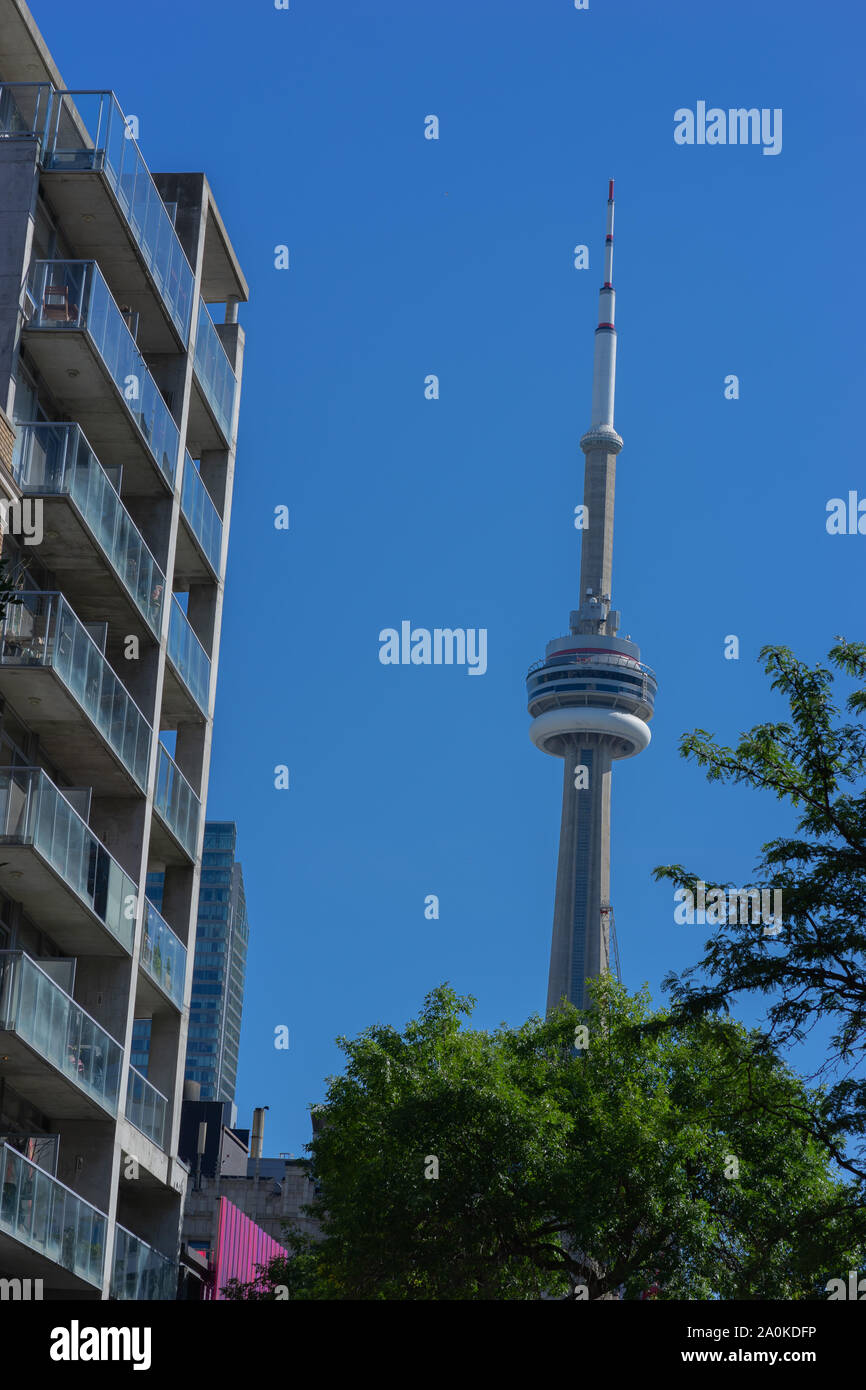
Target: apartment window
27,407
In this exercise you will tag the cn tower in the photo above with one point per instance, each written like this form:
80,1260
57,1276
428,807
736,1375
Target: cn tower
591,697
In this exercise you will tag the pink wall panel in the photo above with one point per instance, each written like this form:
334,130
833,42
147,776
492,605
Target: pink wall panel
241,1246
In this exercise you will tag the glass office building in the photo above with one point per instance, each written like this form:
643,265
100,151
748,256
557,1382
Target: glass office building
219,969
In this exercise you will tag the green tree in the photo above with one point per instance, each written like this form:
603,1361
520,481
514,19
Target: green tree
649,1157
814,969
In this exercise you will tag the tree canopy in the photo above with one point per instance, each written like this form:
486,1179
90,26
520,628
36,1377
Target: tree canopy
814,969
585,1155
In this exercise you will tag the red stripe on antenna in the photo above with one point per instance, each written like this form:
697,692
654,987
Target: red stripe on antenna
610,192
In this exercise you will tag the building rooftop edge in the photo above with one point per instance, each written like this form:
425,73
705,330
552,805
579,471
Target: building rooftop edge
17,24
25,57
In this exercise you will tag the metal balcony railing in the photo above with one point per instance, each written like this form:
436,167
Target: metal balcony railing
146,1107
176,801
40,629
88,131
33,811
600,659
25,108
214,371
163,954
188,656
70,295
200,512
55,460
139,1271
45,1017
46,1216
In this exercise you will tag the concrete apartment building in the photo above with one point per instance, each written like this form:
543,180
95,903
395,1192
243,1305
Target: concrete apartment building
118,415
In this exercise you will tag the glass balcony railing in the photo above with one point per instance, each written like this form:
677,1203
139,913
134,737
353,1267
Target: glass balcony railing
188,656
146,1107
52,460
163,954
139,1271
74,295
214,370
45,1017
40,629
33,811
24,109
88,130
176,801
200,512
43,1214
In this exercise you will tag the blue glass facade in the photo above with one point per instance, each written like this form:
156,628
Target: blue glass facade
219,969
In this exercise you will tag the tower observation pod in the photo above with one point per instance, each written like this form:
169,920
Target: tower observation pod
591,697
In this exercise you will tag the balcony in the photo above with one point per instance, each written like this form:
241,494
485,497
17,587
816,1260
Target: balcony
101,189
46,1231
187,679
163,958
203,522
54,1052
81,343
146,1107
180,810
139,1271
52,672
90,541
211,404
25,108
52,863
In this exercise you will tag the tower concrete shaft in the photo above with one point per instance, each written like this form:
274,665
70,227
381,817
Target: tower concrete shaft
591,697
580,948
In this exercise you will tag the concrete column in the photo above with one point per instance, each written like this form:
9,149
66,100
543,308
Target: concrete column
152,516
86,1159
578,950
201,611
102,985
119,823
214,471
189,753
18,170
139,674
162,1058
596,555
177,898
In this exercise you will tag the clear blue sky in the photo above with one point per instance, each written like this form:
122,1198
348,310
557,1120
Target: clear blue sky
454,257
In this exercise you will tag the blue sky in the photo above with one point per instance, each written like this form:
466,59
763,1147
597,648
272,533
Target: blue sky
408,257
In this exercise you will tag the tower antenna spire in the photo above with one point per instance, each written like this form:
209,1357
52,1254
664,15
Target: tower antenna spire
608,241
604,362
